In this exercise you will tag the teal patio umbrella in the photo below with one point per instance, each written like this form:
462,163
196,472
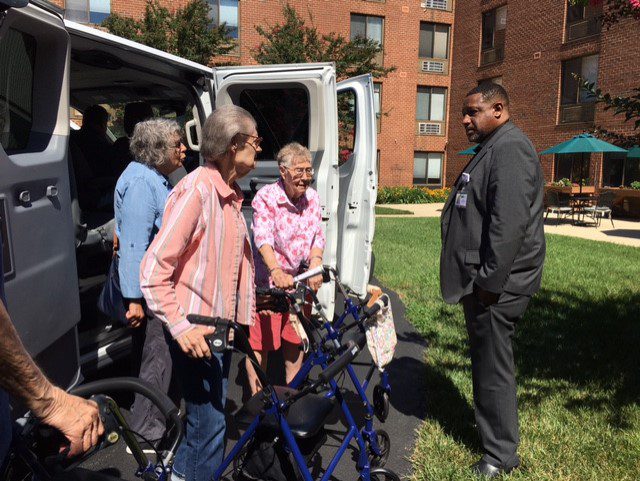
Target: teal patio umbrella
582,144
473,150
633,153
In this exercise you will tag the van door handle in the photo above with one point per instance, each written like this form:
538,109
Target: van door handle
52,191
25,197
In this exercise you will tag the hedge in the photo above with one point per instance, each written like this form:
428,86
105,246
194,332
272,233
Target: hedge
411,195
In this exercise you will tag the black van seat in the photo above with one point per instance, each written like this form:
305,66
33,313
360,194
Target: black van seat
305,417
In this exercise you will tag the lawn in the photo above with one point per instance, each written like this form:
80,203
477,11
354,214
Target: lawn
391,211
577,358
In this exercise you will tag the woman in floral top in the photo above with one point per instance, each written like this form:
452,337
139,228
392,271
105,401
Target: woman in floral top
287,232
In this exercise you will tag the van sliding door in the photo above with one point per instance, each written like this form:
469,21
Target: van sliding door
39,243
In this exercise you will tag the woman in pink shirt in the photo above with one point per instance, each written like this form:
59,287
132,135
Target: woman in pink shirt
287,231
200,262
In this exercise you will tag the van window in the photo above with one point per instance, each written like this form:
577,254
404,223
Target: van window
346,125
17,56
282,115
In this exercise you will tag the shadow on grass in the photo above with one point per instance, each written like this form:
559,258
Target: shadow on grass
592,344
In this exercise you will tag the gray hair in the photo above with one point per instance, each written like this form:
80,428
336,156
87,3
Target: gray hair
221,128
292,151
152,141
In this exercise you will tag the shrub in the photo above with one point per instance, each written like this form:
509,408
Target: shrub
411,195
562,183
635,185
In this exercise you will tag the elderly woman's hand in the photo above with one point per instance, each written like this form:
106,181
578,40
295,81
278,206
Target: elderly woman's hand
194,344
315,282
281,279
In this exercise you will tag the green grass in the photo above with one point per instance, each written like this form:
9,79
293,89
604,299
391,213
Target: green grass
391,211
577,359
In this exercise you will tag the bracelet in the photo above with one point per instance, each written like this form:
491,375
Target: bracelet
315,257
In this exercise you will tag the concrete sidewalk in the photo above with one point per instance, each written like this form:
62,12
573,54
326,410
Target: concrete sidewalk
625,232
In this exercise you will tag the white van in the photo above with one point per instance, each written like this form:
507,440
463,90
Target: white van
57,247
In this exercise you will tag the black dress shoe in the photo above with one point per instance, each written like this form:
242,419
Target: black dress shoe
484,469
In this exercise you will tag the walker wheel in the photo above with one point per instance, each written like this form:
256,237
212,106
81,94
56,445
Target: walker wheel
383,474
384,444
381,403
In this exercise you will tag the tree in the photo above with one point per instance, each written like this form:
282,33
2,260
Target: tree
294,42
186,32
627,106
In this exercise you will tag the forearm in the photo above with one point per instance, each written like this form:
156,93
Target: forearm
19,375
269,257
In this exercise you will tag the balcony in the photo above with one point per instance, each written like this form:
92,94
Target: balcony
584,28
433,65
577,113
436,4
492,55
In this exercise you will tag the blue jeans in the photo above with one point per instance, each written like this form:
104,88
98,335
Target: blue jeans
204,387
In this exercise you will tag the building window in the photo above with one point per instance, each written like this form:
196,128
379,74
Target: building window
366,26
17,57
618,170
427,168
378,163
434,40
87,11
492,80
431,110
494,25
583,21
224,11
377,102
578,105
575,167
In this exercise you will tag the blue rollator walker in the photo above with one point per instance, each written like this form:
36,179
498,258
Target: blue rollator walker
289,420
325,346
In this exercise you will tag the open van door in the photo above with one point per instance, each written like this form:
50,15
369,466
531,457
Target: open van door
39,244
291,103
358,180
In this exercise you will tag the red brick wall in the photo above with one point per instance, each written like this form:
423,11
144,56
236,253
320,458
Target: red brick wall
397,140
536,29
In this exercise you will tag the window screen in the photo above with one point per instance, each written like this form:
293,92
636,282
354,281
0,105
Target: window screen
17,56
282,115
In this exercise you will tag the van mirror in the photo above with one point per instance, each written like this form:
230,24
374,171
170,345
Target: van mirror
13,3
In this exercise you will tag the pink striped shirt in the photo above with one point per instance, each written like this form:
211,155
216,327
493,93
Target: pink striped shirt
200,261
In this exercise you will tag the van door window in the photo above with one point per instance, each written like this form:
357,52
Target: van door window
282,115
17,55
346,125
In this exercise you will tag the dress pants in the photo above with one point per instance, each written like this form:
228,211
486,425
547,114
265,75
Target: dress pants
491,330
152,363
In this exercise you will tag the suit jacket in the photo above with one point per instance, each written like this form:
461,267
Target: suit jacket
497,240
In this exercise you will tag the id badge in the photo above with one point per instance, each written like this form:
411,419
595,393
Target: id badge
461,200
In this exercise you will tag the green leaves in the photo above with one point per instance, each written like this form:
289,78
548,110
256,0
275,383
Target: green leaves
295,42
185,32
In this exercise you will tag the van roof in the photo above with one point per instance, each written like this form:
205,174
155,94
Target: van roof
108,38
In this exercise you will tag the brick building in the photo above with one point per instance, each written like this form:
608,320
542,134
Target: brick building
532,48
416,38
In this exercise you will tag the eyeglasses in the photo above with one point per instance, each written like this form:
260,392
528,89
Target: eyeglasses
256,143
178,144
299,171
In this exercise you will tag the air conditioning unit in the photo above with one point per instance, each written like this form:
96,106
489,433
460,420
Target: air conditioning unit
578,113
429,128
585,28
432,66
492,56
436,4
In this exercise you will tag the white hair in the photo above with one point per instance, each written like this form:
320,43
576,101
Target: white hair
291,151
221,129
152,141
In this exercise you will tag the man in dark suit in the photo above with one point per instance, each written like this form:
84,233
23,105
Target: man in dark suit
493,249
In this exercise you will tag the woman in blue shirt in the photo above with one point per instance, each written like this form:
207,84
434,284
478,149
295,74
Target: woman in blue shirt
139,199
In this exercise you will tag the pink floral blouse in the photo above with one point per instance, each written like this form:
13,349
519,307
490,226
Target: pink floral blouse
291,229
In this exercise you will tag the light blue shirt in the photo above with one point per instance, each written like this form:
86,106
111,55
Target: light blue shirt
138,203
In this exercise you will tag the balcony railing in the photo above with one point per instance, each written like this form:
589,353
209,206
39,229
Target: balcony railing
584,28
576,113
492,55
